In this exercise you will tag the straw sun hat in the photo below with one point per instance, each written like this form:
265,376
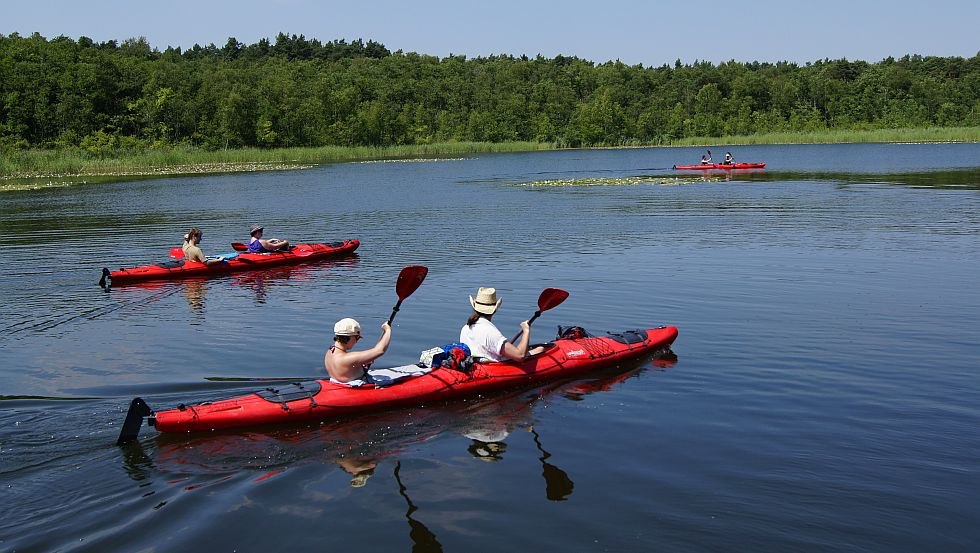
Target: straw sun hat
486,301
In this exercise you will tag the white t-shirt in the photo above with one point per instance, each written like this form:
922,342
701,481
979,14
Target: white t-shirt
483,339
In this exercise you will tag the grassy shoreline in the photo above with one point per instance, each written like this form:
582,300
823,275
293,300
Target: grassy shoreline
34,169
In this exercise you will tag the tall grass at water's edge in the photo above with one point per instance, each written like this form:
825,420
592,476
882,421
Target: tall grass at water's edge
46,164
29,168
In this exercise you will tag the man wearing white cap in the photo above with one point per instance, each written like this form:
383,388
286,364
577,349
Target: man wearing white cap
482,336
344,365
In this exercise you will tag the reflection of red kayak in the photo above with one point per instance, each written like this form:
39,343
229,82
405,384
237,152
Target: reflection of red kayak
180,268
722,166
319,399
375,437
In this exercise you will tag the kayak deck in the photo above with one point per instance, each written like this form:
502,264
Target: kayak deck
182,268
319,399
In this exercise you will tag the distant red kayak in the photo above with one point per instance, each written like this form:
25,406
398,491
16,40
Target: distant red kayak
181,268
721,166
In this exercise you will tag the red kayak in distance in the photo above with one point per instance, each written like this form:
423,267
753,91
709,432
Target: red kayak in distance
721,166
181,268
321,399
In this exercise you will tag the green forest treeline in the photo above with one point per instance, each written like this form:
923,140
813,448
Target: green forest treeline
102,98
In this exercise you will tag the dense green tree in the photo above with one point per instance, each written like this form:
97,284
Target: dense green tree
295,91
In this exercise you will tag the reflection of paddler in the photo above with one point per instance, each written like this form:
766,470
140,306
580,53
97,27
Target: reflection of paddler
360,469
194,292
487,444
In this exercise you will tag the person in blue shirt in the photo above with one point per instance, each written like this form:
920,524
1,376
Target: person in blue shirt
257,244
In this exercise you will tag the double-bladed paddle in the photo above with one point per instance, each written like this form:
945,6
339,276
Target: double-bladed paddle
408,281
549,298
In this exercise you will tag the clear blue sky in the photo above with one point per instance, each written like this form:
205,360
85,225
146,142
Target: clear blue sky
648,32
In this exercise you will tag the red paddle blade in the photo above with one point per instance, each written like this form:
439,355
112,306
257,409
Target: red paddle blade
409,280
551,297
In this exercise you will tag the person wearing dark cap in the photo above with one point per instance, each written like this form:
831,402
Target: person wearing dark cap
350,367
257,244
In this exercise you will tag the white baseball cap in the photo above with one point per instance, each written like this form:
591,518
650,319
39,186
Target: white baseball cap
347,327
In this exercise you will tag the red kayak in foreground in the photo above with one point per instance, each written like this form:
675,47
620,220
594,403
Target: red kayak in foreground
180,268
722,166
320,399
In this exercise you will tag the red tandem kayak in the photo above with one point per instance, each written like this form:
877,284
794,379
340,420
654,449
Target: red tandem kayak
180,268
722,166
319,399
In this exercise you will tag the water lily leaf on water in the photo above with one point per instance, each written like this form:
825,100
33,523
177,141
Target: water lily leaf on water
619,181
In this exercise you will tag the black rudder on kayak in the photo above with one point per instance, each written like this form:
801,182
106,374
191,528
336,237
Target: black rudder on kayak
138,409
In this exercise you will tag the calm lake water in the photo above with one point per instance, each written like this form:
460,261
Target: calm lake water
824,396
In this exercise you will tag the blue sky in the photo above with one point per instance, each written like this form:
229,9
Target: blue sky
650,33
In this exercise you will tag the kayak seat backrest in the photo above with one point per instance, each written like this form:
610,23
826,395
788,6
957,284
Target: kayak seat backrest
290,392
628,336
572,333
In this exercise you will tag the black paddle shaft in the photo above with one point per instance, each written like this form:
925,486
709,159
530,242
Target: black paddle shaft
549,298
394,311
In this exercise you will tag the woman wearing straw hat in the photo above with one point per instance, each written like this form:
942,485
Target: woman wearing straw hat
482,336
350,367
257,244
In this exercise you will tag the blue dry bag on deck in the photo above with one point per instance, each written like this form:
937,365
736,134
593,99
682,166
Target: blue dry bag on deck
454,356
